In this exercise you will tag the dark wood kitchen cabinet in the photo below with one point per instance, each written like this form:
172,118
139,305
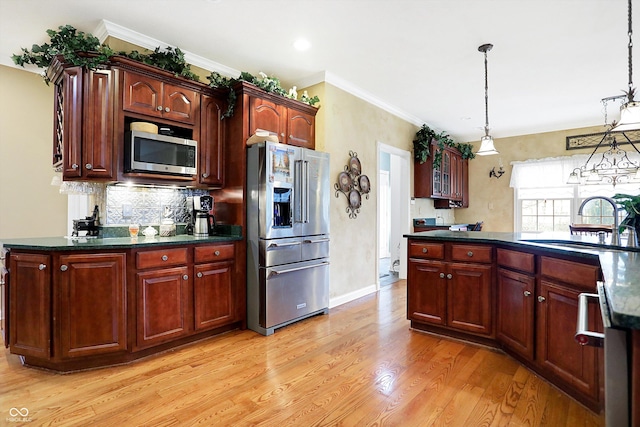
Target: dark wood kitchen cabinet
155,98
83,122
90,304
214,291
292,125
162,295
30,304
447,184
211,144
446,289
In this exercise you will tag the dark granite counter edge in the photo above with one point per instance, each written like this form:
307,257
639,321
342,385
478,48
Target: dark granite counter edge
622,288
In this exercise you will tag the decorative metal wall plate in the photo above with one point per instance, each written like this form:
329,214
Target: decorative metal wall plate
353,185
592,139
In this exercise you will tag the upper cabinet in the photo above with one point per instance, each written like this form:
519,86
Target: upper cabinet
211,152
293,122
448,183
152,97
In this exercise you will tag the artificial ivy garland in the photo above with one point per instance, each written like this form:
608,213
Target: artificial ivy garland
422,146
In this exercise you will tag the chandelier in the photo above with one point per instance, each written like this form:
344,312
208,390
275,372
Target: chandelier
486,143
613,166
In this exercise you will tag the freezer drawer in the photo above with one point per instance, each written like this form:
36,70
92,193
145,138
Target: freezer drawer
293,291
315,247
280,251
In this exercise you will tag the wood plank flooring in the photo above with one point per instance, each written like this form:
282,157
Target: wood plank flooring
360,365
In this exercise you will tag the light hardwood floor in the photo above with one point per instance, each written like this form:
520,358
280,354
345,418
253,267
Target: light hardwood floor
360,365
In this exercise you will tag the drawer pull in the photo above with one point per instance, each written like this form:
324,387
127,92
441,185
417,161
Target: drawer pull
425,250
217,253
165,258
469,254
442,275
199,274
527,293
541,299
62,267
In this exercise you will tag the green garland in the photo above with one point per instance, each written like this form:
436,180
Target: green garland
422,146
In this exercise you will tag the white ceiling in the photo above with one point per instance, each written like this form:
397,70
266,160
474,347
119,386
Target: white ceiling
552,61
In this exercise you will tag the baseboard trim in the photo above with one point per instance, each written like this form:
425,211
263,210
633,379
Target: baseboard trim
343,299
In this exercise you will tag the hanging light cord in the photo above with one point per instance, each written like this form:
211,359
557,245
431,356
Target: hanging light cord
485,48
630,32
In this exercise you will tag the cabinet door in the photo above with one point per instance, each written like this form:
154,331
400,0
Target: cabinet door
301,129
180,104
97,146
515,311
445,168
142,94
269,116
213,295
163,306
557,351
30,305
426,293
456,176
90,304
469,298
211,167
69,105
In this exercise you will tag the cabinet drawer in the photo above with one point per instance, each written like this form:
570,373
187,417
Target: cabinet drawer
516,260
426,250
470,253
161,258
583,275
213,253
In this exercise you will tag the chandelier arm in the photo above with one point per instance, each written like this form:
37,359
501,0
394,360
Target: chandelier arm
595,149
631,142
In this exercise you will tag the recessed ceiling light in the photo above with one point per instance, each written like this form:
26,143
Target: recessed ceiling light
302,44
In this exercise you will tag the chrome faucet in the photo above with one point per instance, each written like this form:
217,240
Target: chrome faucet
615,234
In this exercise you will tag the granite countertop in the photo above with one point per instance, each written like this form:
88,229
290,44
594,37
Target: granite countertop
620,265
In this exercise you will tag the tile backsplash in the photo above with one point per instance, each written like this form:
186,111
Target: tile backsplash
147,205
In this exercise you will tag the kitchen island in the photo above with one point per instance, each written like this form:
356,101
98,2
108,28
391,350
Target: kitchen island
78,303
519,292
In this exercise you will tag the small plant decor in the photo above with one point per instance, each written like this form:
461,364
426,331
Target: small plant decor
631,205
422,146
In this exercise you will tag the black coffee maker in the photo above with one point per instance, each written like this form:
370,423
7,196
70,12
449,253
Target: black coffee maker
202,223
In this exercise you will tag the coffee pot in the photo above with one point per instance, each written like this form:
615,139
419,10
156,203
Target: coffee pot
202,222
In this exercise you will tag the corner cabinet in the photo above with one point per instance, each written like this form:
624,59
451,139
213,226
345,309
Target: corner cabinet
447,184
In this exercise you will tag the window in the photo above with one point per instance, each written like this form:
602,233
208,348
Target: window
543,202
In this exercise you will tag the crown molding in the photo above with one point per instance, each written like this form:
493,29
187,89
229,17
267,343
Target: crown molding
109,29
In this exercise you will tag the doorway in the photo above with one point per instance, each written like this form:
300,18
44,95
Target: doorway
393,213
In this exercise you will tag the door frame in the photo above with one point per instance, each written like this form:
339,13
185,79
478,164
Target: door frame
402,214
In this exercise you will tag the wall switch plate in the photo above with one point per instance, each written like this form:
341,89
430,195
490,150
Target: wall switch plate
127,210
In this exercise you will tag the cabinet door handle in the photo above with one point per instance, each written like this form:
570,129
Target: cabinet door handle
43,266
442,275
74,166
199,274
159,108
541,299
217,253
205,175
449,276
185,277
88,166
62,267
527,293
167,109
425,250
469,254
165,258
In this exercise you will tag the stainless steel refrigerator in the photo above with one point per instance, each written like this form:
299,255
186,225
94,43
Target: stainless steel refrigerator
288,194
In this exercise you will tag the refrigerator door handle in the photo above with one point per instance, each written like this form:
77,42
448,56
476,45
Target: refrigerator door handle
297,192
291,270
305,186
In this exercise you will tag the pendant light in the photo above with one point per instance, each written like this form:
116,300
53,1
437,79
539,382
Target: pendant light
630,110
486,142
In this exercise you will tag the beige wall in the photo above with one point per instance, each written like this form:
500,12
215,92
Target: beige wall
29,205
491,199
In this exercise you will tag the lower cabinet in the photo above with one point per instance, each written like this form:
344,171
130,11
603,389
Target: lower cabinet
456,295
516,301
90,304
213,295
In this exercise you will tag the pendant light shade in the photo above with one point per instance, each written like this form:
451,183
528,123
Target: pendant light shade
486,142
486,146
629,117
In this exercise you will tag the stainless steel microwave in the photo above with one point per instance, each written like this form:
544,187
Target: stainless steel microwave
154,153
